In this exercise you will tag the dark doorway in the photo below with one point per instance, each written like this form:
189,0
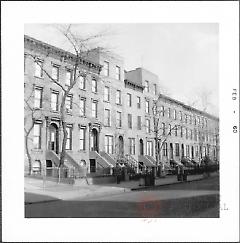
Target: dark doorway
92,165
182,149
192,152
53,143
141,147
49,169
171,151
94,140
121,145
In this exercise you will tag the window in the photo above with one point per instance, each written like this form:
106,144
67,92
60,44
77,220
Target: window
180,115
146,86
187,150
139,123
163,128
198,120
190,119
155,89
109,144
206,122
169,129
54,100
82,106
177,149
106,94
132,146
106,68
117,73
69,138
38,97
69,103
186,133
195,120
149,148
39,68
147,106
196,151
129,120
119,119
138,102
107,117
68,80
118,97
181,132
165,152
176,130
55,73
169,112
147,125
175,115
82,82
129,99
162,111
37,136
191,134
94,109
94,85
82,138
186,118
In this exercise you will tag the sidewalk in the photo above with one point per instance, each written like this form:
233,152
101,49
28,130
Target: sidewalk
38,192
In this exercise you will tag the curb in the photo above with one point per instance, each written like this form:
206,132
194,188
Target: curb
167,184
43,201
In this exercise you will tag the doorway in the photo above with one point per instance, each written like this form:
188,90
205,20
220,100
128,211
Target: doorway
121,145
53,143
182,149
141,146
94,140
171,151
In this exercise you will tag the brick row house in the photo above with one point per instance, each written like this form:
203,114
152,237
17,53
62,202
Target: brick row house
109,114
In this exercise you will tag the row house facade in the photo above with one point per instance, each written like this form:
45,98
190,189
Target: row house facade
109,114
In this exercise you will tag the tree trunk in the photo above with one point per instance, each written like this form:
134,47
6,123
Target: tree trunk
27,150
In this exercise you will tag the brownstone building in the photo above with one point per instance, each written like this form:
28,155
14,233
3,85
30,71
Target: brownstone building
109,114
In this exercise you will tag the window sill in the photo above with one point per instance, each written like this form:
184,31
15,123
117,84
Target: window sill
82,150
95,92
38,77
37,150
120,104
106,101
82,89
56,112
83,116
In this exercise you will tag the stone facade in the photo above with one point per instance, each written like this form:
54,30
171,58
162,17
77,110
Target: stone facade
121,128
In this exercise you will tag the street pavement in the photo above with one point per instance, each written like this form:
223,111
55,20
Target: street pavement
198,199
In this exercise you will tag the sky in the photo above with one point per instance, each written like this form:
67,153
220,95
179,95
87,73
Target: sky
183,55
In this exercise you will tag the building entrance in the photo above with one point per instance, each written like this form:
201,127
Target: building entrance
53,143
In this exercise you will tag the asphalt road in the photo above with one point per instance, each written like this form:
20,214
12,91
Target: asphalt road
167,201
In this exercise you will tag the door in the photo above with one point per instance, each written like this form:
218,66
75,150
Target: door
53,138
171,151
121,146
92,165
141,146
94,140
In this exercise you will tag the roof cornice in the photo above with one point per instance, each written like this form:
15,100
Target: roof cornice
61,53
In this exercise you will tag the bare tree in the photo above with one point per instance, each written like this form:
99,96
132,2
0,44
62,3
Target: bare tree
31,114
82,48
